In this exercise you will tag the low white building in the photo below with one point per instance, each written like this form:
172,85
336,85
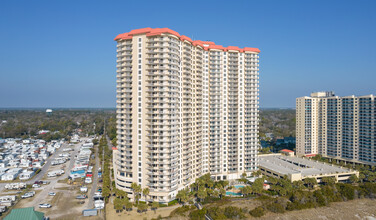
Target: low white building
26,175
9,176
25,164
38,164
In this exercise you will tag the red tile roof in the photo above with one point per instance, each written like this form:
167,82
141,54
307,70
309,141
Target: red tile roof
159,31
287,150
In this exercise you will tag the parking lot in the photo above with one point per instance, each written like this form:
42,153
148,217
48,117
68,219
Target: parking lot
60,192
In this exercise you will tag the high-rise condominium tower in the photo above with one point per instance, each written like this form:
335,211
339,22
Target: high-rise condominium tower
184,108
337,127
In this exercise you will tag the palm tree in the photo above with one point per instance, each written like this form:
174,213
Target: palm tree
118,205
142,207
215,193
154,206
246,190
120,193
146,192
222,192
136,191
128,206
225,183
201,194
134,186
310,182
182,196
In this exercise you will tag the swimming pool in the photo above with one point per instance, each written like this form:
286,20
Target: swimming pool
239,186
232,194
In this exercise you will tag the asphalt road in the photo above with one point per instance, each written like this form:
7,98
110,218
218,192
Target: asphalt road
47,165
90,204
41,197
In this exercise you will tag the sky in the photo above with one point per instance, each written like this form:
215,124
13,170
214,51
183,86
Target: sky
61,53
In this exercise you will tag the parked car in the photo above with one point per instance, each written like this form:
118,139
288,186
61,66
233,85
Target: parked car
36,186
45,205
38,182
51,194
88,180
81,197
26,195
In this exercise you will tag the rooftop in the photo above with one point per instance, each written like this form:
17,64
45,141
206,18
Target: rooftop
291,165
25,214
206,45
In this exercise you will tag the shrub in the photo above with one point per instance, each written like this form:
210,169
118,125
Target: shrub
173,202
216,213
346,190
182,210
198,214
210,199
275,207
257,212
232,212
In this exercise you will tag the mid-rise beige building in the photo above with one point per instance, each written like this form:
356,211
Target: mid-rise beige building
184,108
337,127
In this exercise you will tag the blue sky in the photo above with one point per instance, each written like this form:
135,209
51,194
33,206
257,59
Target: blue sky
62,53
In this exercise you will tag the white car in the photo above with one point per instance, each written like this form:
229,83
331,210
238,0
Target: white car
45,205
36,186
88,180
26,195
51,194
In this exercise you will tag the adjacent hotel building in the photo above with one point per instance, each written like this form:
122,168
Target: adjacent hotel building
184,108
337,127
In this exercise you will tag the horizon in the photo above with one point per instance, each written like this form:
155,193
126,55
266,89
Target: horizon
69,55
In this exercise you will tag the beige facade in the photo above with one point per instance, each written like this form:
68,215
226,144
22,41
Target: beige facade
337,127
184,108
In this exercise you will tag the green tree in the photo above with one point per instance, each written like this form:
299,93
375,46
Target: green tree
299,185
146,192
256,173
310,182
154,205
136,191
118,205
120,193
106,192
142,207
201,194
362,177
353,178
225,183
222,192
246,190
328,180
182,196
128,206
258,185
215,194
